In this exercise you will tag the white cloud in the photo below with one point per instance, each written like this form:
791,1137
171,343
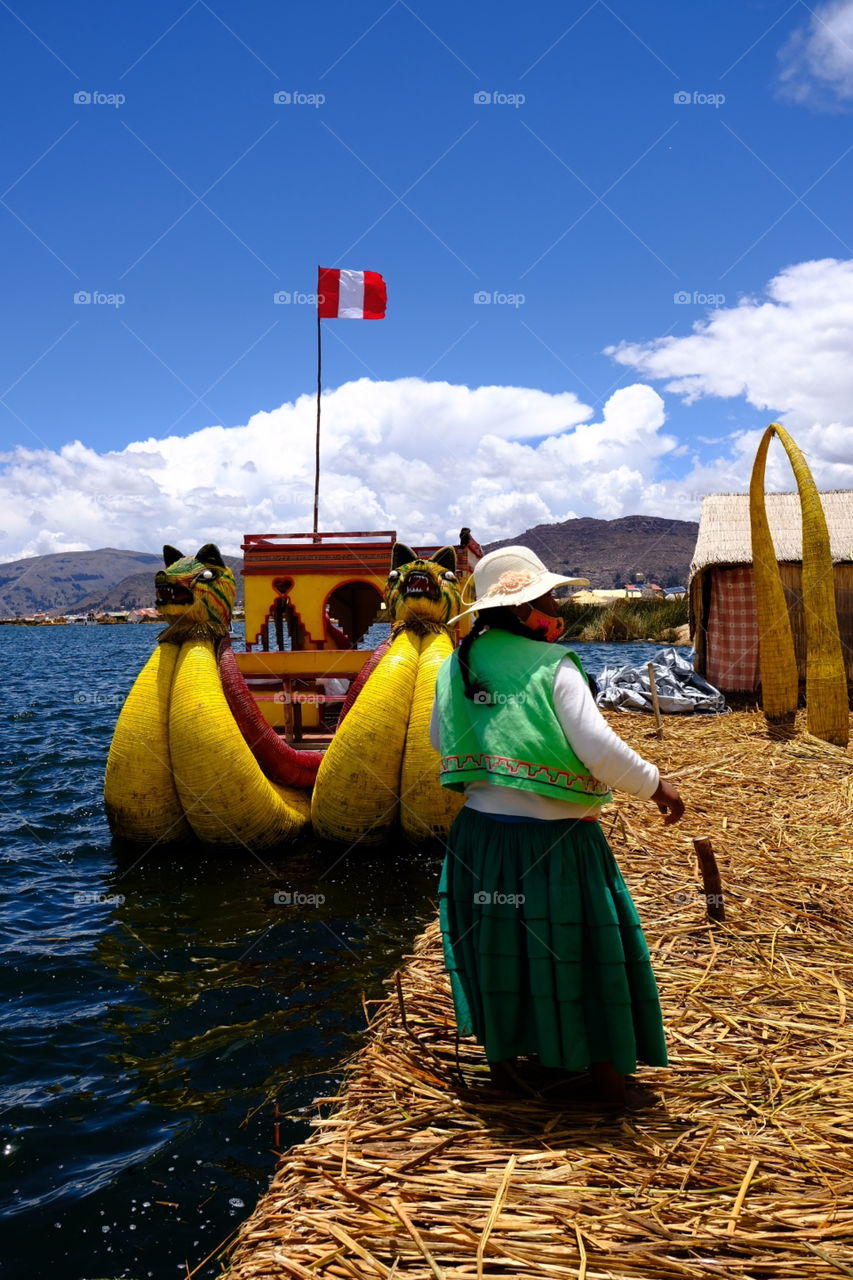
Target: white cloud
419,457
425,458
817,60
788,355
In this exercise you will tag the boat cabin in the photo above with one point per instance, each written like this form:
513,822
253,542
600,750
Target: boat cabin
310,600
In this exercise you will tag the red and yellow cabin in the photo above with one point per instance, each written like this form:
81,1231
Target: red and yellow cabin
310,599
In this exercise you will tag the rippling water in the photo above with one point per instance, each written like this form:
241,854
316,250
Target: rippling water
155,1010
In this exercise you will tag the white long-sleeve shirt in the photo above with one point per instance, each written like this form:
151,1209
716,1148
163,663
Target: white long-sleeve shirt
607,757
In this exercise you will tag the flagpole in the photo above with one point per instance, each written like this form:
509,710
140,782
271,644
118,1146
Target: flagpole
317,435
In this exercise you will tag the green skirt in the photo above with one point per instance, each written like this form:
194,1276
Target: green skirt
544,946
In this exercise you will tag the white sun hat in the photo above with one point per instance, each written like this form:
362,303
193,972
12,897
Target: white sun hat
513,575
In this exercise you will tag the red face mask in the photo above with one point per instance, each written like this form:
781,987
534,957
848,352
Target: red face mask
544,625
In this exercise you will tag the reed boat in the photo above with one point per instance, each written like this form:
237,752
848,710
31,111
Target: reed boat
305,726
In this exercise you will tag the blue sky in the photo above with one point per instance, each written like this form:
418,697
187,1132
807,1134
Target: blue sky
629,155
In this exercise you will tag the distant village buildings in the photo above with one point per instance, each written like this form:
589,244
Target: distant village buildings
630,591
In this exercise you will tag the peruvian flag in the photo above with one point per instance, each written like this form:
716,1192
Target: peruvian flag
350,295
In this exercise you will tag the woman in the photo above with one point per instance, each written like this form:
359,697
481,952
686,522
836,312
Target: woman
542,941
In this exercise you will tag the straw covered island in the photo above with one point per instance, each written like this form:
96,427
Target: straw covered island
745,1169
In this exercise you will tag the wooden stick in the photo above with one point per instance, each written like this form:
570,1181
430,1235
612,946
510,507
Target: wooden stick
711,880
428,1154
366,1256
741,1196
402,1003
655,703
354,1196
317,431
494,1212
416,1236
827,1257
294,1268
582,1252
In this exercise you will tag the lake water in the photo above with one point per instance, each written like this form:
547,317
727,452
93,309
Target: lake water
155,1010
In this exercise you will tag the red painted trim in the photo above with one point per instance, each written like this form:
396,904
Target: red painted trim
278,760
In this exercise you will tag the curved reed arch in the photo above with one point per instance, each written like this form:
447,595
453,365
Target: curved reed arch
826,679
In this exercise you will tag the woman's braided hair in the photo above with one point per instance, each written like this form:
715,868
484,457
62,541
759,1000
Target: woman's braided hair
505,620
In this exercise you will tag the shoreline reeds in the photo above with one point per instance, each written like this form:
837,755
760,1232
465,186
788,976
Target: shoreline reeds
625,620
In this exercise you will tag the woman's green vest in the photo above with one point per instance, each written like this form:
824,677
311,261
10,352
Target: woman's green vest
510,734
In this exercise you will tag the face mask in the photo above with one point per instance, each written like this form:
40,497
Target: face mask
544,625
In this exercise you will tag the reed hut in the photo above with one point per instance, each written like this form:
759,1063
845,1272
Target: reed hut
722,599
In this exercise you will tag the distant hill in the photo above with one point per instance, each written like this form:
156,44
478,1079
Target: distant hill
58,583
136,591
609,552
83,581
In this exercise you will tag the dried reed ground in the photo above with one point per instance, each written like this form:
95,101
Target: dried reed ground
745,1170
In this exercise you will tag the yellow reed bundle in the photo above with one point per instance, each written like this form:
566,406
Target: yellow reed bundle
139,790
826,680
426,807
355,797
225,796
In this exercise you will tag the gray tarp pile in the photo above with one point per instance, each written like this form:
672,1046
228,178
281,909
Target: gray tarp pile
680,688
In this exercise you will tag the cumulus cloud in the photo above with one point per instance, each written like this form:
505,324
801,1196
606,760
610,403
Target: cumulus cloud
787,354
425,458
817,60
419,457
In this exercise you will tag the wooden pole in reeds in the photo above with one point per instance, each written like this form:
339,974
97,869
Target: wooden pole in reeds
655,702
317,429
711,881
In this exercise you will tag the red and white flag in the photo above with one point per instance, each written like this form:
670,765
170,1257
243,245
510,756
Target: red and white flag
351,295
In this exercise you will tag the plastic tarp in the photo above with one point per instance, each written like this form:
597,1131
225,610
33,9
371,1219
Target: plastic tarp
680,689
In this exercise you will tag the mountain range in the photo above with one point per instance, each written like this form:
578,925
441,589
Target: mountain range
611,552
608,552
84,582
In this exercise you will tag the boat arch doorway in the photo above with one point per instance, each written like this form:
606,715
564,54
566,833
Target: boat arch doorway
351,610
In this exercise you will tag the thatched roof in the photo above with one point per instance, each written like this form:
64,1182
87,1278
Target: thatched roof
724,532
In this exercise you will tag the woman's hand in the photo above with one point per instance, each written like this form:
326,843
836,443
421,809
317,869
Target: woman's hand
669,802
